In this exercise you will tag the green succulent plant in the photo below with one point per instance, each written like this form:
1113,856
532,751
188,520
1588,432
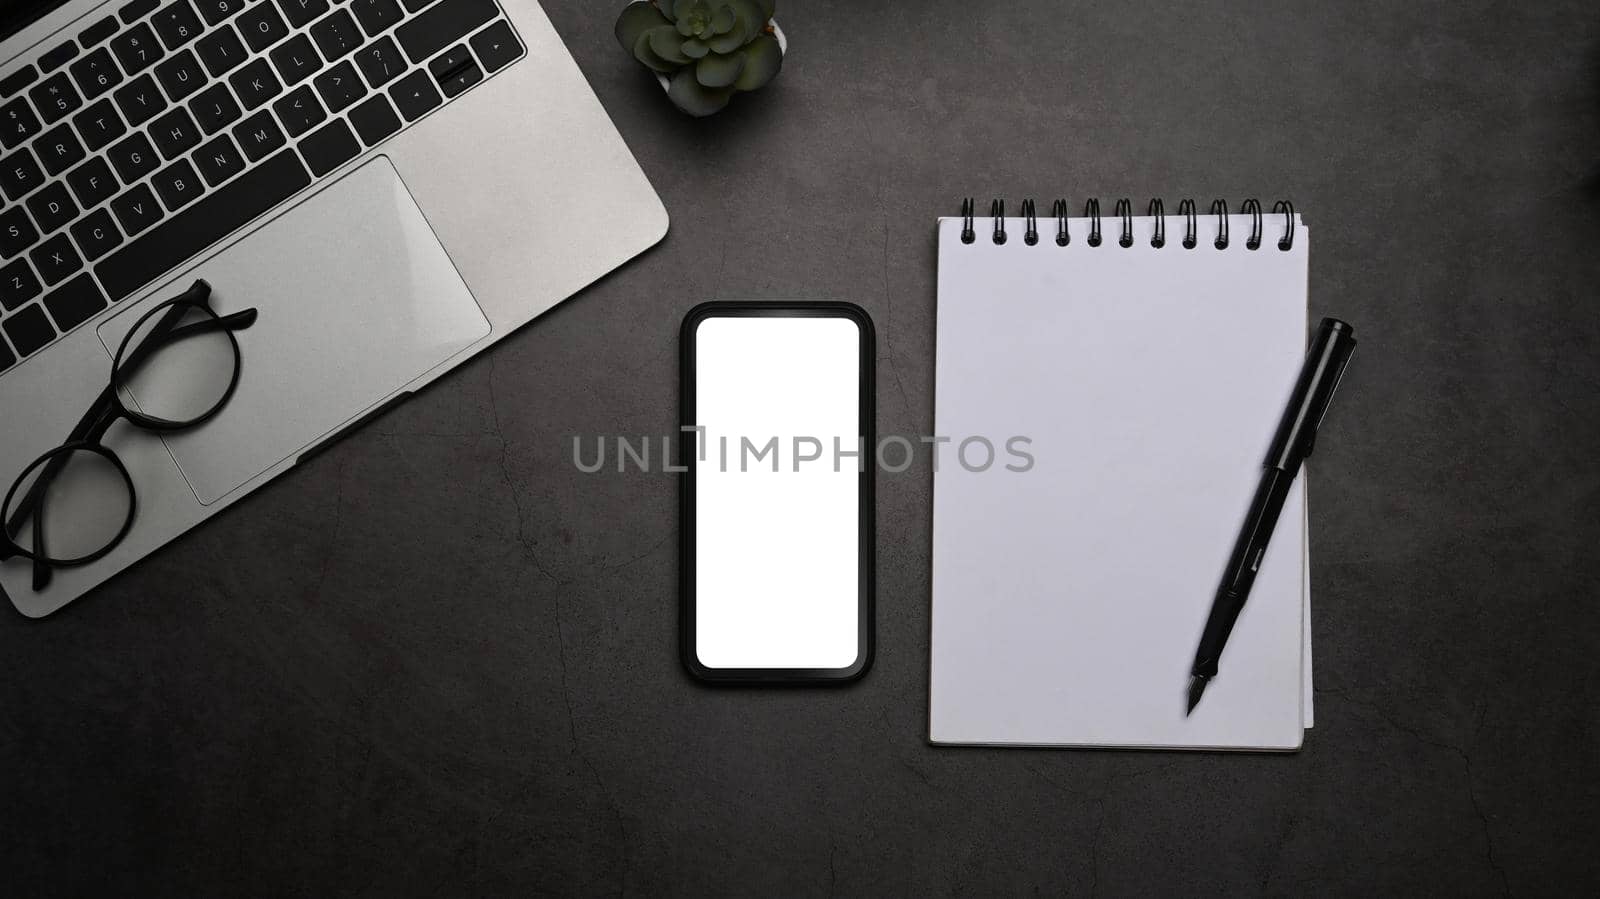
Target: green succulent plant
708,50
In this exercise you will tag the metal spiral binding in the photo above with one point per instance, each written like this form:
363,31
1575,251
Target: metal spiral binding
1190,234
1286,242
1219,208
1252,208
1124,211
1030,215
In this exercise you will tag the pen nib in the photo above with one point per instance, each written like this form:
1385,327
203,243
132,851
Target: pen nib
1197,686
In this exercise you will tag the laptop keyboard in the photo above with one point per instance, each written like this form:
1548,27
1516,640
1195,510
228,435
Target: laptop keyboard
163,128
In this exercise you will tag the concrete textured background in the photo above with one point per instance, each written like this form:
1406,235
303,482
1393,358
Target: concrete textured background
440,660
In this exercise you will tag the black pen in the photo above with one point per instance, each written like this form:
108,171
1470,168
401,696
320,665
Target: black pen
1297,433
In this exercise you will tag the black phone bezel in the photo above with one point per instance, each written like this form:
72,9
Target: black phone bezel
688,456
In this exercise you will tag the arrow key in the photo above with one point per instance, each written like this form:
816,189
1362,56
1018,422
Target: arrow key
414,95
496,46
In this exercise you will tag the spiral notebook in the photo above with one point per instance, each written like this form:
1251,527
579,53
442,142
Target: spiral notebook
1141,363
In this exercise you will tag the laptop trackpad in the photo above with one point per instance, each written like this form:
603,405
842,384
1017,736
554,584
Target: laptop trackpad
356,298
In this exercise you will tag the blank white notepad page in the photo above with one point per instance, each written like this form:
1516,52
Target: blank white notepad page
1068,600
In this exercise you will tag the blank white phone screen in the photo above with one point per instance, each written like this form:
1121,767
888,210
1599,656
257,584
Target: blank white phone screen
777,566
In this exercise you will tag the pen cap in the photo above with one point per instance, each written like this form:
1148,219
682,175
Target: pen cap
1319,378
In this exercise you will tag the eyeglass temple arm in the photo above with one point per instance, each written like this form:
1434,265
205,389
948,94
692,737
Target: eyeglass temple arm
165,336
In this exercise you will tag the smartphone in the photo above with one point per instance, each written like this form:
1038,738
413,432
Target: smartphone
778,449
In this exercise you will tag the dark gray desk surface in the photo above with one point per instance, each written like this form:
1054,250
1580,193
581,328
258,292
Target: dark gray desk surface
441,660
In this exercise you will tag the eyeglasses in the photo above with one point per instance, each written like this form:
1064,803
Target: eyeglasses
179,365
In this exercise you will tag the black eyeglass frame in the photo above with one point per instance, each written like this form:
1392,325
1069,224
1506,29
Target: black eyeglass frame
109,408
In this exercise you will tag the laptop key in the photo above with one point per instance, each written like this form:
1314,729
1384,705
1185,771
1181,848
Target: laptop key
140,101
374,120
137,49
259,136
18,284
329,147
99,124
496,46
52,207
138,9
19,174
443,24
299,111
17,123
16,232
218,160
29,330
216,216
336,35
381,62
96,236
54,97
96,73
414,5
177,185
14,83
137,210
58,149
174,133
134,158
180,75
55,259
7,358
460,78
262,26
215,11
376,16
445,64
295,60
221,51
177,24
58,57
255,84
75,302
92,183
415,95
302,11
214,108
340,86
98,32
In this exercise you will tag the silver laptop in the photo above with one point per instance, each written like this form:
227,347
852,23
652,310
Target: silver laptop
392,185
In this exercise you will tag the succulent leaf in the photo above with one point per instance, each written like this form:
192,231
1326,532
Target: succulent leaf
700,19
667,44
734,39
754,14
680,8
724,20
643,53
636,19
696,99
770,7
694,48
763,59
684,28
719,71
